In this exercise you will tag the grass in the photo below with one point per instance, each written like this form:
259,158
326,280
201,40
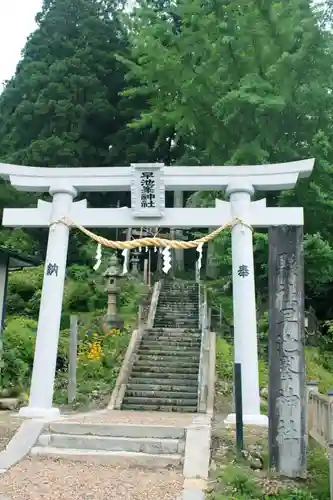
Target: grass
235,478
232,477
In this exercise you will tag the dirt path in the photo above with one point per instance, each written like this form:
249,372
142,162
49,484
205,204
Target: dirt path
45,479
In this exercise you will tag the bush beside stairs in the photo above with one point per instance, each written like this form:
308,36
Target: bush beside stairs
164,376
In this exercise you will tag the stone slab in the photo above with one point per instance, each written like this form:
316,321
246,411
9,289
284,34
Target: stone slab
119,430
20,444
192,494
105,443
116,458
197,452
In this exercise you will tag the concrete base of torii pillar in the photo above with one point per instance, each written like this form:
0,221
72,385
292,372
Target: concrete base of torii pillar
44,413
258,420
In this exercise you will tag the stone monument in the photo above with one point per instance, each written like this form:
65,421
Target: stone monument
287,405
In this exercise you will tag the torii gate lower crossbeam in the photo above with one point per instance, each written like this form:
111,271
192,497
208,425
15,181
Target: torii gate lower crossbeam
240,185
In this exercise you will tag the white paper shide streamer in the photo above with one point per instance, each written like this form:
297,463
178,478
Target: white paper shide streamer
199,261
166,260
98,257
126,254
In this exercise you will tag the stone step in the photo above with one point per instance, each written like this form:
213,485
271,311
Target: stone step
165,358
165,395
162,408
175,337
172,323
170,346
181,286
185,340
139,375
165,353
169,316
193,334
168,300
118,430
179,313
183,297
156,388
158,401
146,362
178,302
178,316
115,458
106,443
172,370
161,322
172,330
192,297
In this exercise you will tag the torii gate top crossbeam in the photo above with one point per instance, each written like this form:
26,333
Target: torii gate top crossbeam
272,177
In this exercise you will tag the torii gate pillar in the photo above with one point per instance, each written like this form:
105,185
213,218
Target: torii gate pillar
45,359
244,304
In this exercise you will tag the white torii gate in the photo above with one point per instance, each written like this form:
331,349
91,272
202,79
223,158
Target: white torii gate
148,183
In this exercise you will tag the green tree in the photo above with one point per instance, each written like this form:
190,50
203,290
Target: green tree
238,79
244,82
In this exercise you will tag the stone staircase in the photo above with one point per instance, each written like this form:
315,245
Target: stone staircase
178,305
165,373
153,446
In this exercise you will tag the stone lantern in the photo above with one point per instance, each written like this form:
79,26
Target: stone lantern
112,276
135,262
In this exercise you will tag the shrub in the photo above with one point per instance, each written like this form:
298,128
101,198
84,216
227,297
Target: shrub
18,351
97,367
224,361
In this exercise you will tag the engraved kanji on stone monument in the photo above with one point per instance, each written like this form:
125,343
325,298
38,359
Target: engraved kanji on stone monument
286,352
147,190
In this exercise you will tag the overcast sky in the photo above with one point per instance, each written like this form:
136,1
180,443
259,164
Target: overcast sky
17,21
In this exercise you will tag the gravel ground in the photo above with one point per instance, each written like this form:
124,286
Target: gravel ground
135,417
47,478
8,427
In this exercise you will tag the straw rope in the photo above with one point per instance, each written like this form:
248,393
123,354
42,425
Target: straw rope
148,242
